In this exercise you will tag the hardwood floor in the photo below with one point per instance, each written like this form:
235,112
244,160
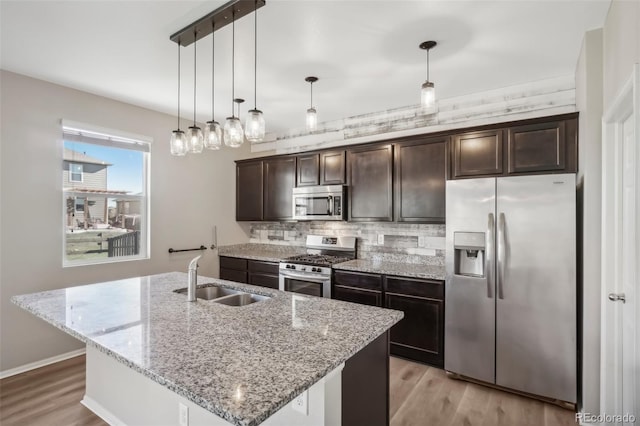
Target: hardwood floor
47,396
420,395
423,395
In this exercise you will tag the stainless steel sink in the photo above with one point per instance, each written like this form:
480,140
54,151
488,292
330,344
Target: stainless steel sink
210,292
223,295
240,299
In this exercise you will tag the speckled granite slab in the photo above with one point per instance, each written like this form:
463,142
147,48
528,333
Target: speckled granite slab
411,270
266,252
204,351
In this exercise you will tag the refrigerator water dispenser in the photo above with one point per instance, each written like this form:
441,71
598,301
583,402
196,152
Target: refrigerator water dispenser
469,253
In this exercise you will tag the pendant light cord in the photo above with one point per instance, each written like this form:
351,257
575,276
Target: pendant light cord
255,54
311,94
233,59
195,56
213,69
178,85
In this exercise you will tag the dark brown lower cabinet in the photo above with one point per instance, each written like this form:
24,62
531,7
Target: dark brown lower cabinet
420,334
233,269
357,287
254,272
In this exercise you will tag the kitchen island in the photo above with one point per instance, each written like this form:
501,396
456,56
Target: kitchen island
152,356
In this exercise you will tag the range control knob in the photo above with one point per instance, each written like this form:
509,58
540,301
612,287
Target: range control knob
315,269
289,266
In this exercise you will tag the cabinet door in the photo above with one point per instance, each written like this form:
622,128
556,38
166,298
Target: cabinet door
308,170
477,154
419,334
233,275
357,295
420,180
279,180
370,182
332,168
264,280
537,148
249,187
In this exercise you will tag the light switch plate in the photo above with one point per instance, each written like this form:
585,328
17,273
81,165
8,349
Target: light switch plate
421,241
381,239
301,403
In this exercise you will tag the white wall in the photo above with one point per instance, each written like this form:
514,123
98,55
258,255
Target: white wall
589,103
189,196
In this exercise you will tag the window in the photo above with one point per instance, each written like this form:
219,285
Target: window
75,172
105,194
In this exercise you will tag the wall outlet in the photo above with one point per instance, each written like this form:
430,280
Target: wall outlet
380,239
421,241
183,414
301,403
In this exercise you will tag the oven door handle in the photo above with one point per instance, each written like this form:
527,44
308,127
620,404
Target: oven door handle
304,277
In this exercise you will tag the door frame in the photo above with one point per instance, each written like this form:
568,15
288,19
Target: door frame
626,103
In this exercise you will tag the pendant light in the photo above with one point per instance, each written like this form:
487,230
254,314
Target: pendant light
233,133
312,117
428,92
213,131
195,139
178,142
255,126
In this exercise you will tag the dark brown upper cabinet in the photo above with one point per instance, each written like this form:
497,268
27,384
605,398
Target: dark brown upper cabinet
370,177
279,181
537,147
332,167
420,180
477,153
308,170
249,188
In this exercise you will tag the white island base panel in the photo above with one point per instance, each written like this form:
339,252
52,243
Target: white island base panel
122,396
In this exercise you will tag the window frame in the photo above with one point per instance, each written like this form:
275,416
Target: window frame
71,173
89,134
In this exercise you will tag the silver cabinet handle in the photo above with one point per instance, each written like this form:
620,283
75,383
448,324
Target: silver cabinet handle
615,297
501,255
489,255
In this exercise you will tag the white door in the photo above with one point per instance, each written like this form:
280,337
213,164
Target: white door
620,380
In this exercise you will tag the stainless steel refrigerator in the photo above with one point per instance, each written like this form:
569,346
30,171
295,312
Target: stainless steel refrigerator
510,316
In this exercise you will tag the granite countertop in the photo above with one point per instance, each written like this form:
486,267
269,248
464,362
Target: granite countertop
412,270
266,252
274,349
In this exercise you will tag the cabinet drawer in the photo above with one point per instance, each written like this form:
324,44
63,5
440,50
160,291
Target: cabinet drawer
431,289
264,280
233,275
261,266
357,295
233,263
358,280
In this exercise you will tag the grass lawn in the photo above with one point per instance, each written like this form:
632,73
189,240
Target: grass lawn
91,244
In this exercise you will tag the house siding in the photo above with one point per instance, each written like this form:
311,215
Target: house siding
94,176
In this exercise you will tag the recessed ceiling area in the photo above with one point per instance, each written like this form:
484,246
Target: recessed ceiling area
365,53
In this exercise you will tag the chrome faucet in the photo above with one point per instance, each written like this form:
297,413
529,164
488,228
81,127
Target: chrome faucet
192,279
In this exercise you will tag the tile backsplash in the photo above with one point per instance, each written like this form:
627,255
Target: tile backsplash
393,242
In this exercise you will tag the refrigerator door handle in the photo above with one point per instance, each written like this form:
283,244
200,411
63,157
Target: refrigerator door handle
501,255
491,237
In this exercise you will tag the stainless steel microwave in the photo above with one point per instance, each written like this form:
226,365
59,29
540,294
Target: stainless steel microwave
319,202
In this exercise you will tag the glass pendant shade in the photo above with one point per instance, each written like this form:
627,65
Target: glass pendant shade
312,119
212,135
233,133
255,127
178,143
195,140
428,95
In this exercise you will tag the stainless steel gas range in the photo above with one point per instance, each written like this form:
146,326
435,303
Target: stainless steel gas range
311,273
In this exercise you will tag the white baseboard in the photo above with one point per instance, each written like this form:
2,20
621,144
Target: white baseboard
41,363
101,412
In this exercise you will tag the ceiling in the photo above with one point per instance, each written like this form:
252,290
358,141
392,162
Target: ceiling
365,53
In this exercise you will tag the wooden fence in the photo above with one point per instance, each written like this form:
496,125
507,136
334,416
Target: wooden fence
124,245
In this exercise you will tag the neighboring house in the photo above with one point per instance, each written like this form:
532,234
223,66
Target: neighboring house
85,174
